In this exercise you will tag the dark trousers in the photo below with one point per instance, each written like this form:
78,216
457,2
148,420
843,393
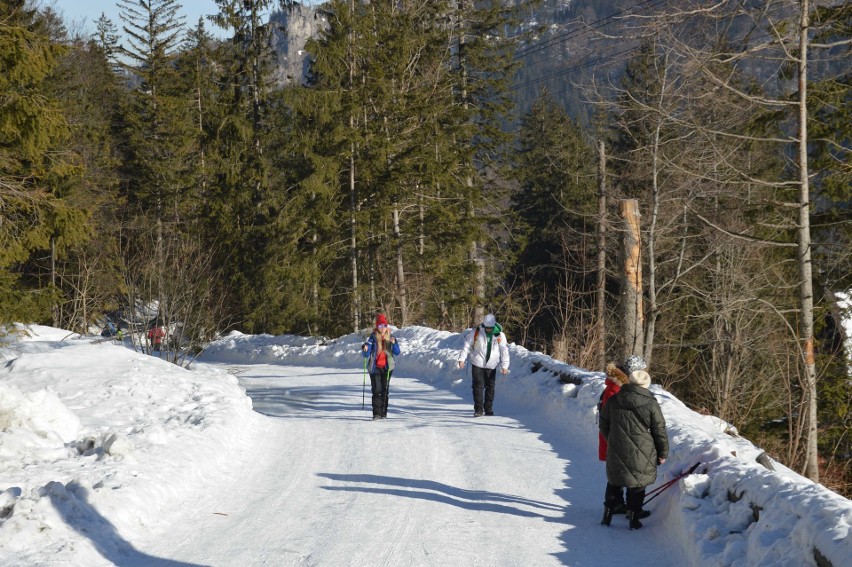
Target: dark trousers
483,388
380,384
635,499
614,496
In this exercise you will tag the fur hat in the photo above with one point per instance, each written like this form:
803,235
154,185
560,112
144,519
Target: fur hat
614,373
635,362
489,320
640,378
381,319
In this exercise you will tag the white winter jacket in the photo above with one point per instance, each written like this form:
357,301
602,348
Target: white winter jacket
499,349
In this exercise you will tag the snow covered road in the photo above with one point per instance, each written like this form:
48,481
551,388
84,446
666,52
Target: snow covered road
113,457
323,484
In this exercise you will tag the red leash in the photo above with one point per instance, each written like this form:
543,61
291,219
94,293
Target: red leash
659,490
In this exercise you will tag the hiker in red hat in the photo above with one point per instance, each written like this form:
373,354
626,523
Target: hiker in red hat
379,351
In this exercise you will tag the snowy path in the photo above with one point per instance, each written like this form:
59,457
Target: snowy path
325,485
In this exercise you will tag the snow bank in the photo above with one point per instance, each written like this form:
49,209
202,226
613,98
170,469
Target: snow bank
94,431
732,511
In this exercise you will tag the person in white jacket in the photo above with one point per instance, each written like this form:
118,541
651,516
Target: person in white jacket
486,346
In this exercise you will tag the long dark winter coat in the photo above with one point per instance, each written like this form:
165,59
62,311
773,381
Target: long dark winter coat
635,431
615,379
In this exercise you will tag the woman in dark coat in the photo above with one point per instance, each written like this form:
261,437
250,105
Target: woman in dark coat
615,379
635,430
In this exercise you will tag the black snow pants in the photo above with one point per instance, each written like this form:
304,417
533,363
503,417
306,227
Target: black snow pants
380,385
483,380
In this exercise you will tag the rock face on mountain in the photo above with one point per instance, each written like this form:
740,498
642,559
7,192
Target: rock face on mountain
293,28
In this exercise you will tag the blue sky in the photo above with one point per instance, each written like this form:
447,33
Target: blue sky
83,15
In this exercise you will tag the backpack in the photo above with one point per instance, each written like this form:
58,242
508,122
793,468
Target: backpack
476,334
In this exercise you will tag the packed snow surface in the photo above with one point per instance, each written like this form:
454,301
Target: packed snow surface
263,452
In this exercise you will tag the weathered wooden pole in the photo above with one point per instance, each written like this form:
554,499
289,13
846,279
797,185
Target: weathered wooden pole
633,336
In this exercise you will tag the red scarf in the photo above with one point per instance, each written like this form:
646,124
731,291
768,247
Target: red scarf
381,351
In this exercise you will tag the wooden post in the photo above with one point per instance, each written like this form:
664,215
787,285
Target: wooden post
601,290
633,338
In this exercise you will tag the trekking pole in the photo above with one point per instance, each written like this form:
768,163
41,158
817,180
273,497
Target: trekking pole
659,490
364,384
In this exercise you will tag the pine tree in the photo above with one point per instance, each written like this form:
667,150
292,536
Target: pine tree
486,36
32,178
197,74
106,37
555,200
158,126
408,125
86,268
242,198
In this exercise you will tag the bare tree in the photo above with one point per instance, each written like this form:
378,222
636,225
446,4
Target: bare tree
171,283
739,168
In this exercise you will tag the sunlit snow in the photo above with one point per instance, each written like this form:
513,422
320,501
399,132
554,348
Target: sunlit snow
261,453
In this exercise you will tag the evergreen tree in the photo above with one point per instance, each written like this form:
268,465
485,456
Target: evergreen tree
414,130
35,210
196,69
87,270
485,36
242,201
158,126
106,38
830,104
556,173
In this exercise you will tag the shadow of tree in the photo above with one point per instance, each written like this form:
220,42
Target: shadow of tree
480,500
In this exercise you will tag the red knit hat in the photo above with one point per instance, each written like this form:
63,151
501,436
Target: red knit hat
381,319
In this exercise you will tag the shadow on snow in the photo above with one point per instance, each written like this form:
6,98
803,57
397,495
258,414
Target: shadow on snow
478,500
72,503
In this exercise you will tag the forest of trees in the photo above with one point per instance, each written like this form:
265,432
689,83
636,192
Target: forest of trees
149,163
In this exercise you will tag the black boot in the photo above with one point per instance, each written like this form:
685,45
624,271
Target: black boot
635,524
607,516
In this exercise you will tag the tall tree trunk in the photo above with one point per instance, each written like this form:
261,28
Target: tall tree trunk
806,320
479,277
421,236
55,308
353,200
653,310
400,271
631,285
601,284
353,243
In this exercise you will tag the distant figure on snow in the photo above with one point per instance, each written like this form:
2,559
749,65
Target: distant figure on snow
156,334
379,350
109,330
635,431
486,346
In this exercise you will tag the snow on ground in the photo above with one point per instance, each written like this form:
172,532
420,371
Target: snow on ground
108,456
